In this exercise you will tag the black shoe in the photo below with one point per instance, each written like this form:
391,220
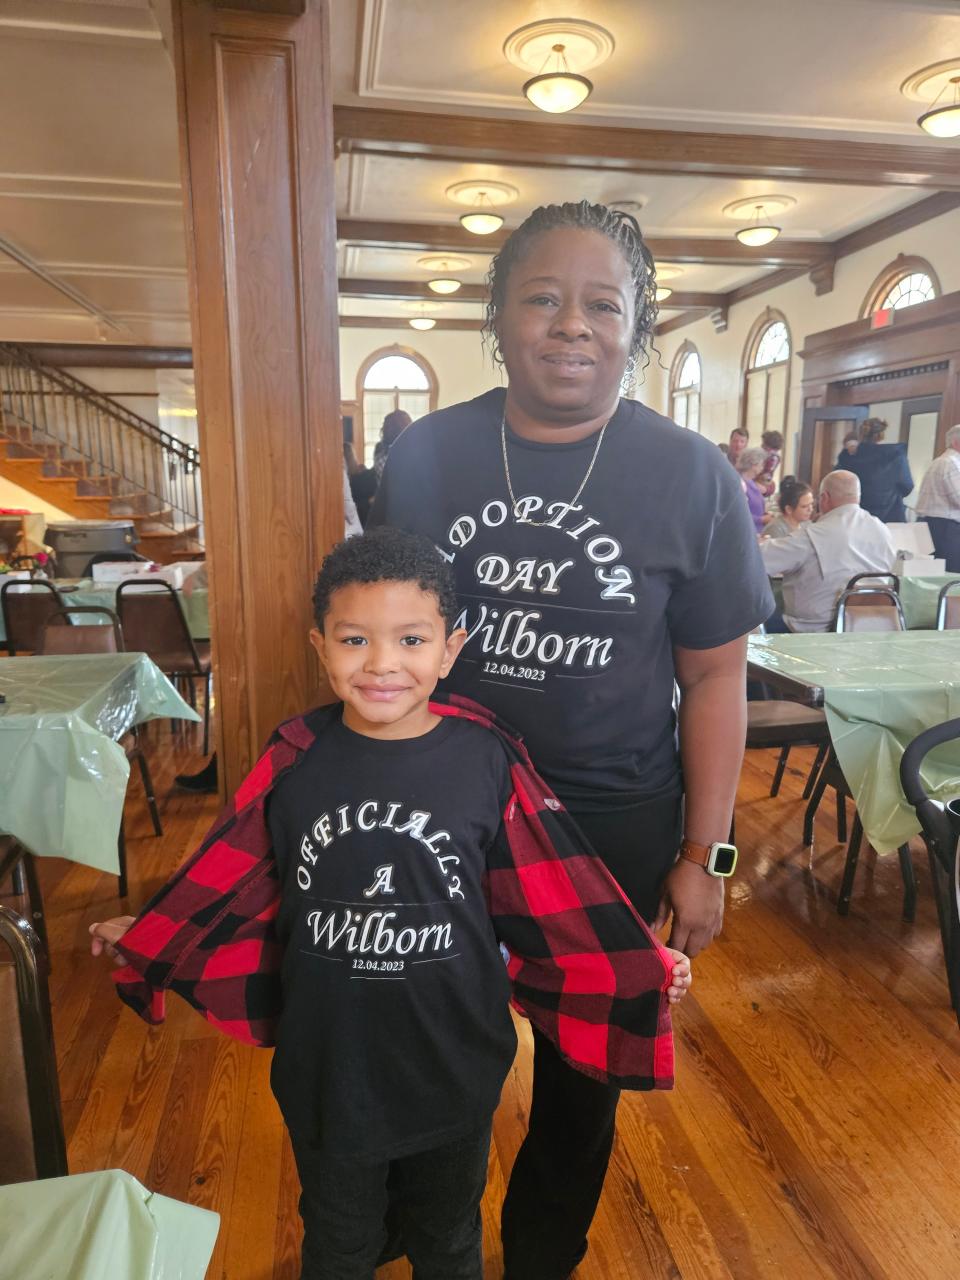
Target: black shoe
202,783
580,1255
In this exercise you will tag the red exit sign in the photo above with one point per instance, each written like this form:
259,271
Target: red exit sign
880,319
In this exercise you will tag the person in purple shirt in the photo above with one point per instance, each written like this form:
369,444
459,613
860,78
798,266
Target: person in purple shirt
749,465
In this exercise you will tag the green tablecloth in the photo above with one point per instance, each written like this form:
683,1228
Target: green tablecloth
919,599
102,1226
195,605
879,692
62,775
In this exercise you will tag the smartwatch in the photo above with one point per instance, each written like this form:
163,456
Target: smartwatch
717,859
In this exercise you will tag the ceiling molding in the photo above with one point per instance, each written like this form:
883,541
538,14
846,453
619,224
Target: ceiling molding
89,188
562,144
36,27
372,83
704,250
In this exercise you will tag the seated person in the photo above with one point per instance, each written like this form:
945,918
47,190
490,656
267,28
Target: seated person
819,559
796,504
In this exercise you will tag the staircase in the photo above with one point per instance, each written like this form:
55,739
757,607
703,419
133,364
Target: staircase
77,449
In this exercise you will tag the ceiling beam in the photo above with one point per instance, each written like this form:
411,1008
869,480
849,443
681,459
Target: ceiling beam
108,355
398,322
418,289
567,145
711,250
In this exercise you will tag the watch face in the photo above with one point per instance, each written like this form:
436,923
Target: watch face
724,859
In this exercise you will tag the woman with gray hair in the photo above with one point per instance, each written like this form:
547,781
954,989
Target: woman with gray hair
749,465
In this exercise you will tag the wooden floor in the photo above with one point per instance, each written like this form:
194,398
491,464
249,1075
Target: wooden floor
814,1130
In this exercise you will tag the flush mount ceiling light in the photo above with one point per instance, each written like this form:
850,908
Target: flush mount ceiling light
559,89
759,232
482,198
663,293
422,322
938,87
555,53
445,284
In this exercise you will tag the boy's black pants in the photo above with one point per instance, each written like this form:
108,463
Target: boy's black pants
433,1197
559,1171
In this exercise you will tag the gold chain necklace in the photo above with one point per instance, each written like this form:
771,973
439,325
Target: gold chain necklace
542,524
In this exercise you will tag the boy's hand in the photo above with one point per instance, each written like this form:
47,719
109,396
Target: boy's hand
104,934
682,978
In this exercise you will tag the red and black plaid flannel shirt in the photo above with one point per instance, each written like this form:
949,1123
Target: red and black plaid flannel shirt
585,968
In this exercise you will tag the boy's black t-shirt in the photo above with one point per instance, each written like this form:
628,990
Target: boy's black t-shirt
572,627
395,1035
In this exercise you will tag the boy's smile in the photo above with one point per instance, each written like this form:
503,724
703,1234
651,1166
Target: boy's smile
384,646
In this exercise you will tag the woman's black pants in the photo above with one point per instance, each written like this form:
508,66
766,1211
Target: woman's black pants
559,1171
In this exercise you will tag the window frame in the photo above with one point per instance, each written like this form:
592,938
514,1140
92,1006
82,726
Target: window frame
769,316
394,349
902,266
685,349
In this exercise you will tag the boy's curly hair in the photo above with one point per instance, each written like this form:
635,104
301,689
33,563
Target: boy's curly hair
386,555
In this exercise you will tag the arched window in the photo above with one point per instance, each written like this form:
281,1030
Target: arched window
902,283
390,378
766,376
685,387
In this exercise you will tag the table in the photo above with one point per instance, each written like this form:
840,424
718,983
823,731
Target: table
95,1225
63,777
919,598
879,691
75,591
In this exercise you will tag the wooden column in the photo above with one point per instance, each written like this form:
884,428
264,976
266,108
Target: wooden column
257,158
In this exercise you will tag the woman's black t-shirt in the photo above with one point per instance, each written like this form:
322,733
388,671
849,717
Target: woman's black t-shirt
572,627
395,1034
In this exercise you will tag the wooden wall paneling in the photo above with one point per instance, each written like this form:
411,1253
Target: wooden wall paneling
569,144
257,156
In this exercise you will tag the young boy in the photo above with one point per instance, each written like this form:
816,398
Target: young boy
403,840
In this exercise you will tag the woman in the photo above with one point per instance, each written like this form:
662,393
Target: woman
600,553
394,425
749,465
363,483
796,504
883,471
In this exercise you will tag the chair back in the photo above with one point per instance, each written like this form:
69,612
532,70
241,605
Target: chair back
869,609
26,606
112,557
61,635
859,580
948,607
153,622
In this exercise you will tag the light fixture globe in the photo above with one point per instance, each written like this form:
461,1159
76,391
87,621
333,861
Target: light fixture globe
558,91
943,122
444,285
759,232
663,292
422,323
484,219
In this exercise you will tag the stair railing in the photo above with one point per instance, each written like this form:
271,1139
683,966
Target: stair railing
79,426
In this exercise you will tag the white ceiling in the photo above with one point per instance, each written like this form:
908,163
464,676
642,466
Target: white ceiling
89,180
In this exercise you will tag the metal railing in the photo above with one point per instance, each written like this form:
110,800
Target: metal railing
84,435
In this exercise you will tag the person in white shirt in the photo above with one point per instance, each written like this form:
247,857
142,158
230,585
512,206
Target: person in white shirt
939,502
819,559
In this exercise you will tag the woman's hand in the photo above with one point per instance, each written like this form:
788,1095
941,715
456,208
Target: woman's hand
106,933
695,901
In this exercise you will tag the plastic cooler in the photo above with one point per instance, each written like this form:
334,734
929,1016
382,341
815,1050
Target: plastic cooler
75,541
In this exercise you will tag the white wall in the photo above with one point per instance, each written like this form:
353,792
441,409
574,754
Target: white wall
721,354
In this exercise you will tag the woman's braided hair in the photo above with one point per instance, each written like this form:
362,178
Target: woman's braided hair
622,228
